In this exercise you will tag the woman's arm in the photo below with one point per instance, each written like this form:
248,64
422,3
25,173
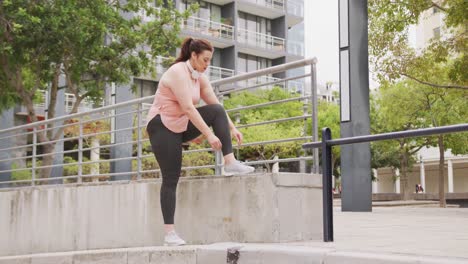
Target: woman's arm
181,87
209,96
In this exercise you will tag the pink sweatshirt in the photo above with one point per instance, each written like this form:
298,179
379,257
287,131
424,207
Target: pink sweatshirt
165,103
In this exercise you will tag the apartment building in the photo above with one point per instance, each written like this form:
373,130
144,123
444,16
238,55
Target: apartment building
247,35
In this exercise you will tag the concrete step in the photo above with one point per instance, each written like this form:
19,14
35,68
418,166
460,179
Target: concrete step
265,208
229,253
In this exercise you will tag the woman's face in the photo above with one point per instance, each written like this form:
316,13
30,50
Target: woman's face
201,61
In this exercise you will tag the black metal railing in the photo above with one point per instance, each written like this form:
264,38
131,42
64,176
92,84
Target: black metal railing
327,143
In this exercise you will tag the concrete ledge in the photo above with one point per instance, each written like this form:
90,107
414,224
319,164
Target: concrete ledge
220,253
266,208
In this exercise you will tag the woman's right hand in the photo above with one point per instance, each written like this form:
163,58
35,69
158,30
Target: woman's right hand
214,142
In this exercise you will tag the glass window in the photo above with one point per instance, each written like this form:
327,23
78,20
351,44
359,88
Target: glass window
436,32
248,63
215,13
216,60
251,63
242,62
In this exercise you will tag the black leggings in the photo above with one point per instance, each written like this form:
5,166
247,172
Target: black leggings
167,148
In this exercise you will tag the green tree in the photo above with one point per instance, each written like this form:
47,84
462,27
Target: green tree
393,58
443,107
329,116
411,105
416,82
396,112
88,43
282,130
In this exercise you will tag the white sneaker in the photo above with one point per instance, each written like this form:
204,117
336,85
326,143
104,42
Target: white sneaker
237,168
172,239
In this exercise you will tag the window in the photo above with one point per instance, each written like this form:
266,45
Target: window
436,32
435,10
249,63
254,23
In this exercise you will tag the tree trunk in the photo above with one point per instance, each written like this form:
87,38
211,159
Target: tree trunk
404,188
442,202
47,161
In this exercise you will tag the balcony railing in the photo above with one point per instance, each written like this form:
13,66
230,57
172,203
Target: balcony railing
276,4
215,73
296,48
85,105
208,27
260,40
270,81
70,99
296,8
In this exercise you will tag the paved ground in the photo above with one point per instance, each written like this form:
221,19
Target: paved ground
416,230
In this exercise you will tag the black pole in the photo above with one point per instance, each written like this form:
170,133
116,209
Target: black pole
327,187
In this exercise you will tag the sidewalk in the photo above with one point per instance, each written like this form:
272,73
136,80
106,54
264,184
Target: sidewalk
412,230
397,234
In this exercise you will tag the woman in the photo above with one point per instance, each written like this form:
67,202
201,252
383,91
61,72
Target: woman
174,119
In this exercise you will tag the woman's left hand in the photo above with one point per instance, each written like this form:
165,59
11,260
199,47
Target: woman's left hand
237,135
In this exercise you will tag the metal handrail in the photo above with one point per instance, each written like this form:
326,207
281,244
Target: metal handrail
327,143
137,113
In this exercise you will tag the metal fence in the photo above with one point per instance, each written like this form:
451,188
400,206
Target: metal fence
94,146
327,143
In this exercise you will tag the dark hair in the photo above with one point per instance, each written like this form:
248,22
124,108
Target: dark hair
193,45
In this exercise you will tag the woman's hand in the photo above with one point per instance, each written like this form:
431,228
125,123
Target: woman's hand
214,142
237,135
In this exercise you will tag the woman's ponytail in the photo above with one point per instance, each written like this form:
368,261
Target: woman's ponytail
185,50
190,45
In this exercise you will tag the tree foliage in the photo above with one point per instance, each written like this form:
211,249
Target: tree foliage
328,115
392,56
85,44
409,105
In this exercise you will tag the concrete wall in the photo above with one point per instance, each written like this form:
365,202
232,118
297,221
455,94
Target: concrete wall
255,208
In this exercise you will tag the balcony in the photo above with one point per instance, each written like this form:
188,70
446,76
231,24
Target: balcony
265,8
295,8
262,41
296,48
209,28
296,12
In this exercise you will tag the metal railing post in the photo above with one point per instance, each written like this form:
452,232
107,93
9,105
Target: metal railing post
218,154
327,186
313,85
80,152
139,136
34,153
